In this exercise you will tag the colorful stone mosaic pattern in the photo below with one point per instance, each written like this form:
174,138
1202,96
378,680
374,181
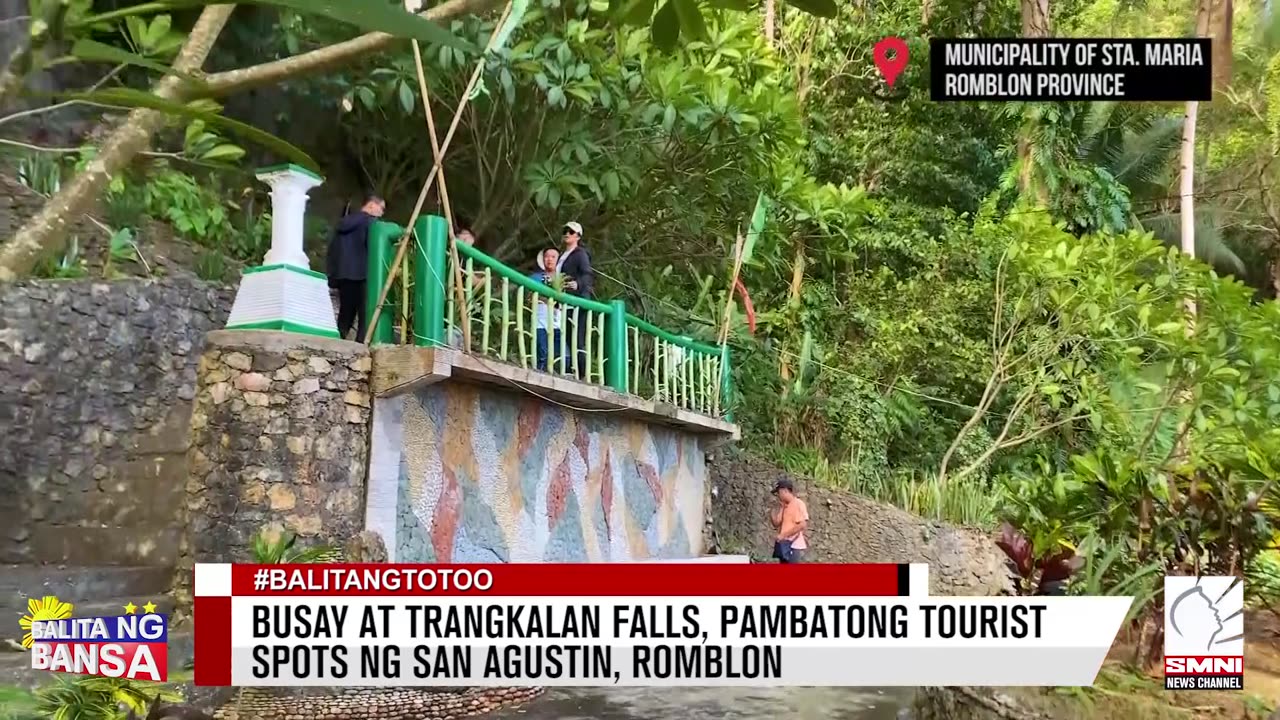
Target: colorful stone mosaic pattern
462,473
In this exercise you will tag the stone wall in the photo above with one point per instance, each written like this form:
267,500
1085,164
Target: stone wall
279,441
360,703
95,405
466,473
846,528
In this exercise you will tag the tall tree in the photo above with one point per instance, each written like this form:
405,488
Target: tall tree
1035,24
1220,16
1186,178
45,231
770,21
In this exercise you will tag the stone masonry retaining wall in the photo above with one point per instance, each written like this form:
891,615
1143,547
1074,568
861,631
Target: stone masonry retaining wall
94,407
380,703
846,528
279,441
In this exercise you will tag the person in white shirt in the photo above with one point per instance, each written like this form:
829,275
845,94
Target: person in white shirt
546,322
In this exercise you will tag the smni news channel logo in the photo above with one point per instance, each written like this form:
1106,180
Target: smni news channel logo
134,645
1203,633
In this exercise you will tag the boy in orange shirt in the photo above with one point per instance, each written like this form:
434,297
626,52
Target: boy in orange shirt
790,520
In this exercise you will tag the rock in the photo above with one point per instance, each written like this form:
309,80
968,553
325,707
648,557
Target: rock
306,386
33,353
355,397
266,361
238,360
366,547
256,382
281,497
319,365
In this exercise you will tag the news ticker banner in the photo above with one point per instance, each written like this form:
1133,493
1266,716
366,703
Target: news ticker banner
632,625
1053,69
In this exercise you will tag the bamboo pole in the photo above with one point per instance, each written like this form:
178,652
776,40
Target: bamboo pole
436,168
728,308
444,197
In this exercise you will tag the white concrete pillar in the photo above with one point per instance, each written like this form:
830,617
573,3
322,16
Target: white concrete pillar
289,187
284,294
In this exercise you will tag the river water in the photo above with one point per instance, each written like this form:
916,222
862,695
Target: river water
793,703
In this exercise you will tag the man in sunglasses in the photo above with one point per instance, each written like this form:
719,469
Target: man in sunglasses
575,266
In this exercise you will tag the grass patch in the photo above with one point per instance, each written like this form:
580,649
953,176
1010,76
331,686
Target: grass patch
16,703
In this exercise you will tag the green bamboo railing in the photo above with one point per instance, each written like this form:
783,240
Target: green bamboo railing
503,310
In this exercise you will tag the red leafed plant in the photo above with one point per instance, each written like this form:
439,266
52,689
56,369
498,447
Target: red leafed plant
1045,574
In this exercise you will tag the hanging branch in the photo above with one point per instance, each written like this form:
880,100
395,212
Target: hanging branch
435,169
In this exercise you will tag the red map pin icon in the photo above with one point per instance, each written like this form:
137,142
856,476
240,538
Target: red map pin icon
889,67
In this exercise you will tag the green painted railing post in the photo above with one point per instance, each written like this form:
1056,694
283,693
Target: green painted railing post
430,268
726,384
616,360
382,242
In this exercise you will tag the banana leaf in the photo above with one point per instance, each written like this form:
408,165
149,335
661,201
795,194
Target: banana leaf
756,229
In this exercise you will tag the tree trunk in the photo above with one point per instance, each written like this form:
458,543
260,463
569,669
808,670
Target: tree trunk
1221,14
1035,18
769,10
1186,179
47,230
1035,24
1186,183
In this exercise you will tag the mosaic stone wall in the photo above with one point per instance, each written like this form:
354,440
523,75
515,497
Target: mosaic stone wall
462,473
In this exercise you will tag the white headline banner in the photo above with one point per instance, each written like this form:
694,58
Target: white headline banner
656,641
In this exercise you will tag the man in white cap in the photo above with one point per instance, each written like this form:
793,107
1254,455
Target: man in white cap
575,266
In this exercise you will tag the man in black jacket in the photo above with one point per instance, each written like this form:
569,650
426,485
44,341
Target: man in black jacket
580,280
348,264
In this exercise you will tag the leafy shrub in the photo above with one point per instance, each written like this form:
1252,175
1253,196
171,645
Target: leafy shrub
211,266
98,698
69,265
284,549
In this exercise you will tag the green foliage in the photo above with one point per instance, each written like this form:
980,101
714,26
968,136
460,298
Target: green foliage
283,549
1262,579
211,266
98,698
121,248
201,111
69,265
40,172
191,207
16,704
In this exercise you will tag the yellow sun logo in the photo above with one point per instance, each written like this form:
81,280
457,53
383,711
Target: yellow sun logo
45,608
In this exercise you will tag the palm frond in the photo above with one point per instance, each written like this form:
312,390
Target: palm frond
1211,245
1148,153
